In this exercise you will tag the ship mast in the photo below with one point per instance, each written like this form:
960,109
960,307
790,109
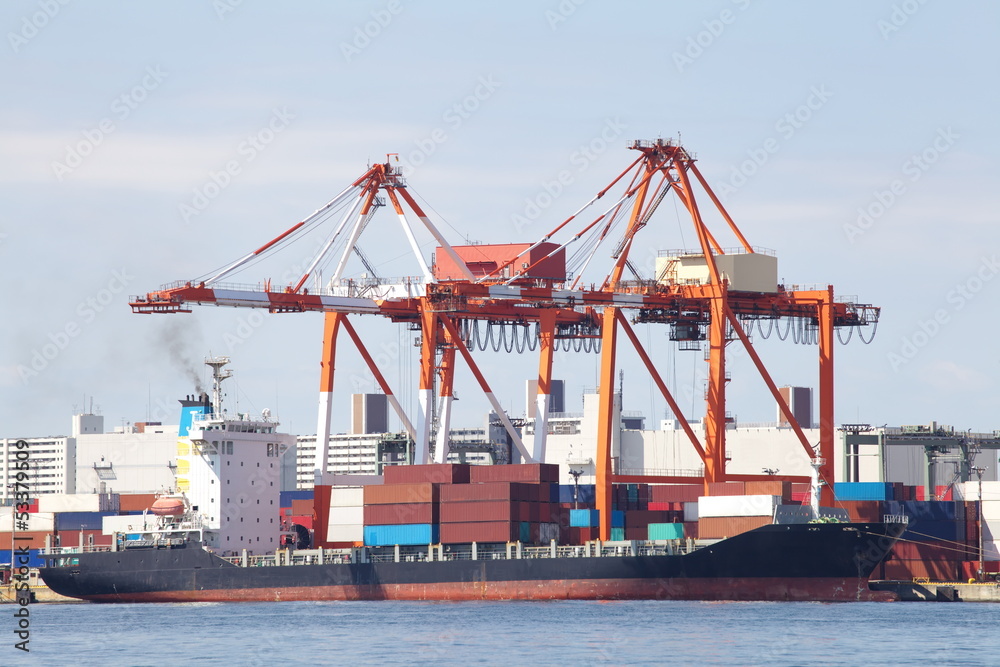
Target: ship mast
218,375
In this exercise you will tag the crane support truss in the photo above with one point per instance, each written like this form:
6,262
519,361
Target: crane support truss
551,312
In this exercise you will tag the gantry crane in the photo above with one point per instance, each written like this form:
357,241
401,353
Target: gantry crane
524,295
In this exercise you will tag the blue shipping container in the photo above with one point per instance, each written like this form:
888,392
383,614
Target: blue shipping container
525,532
585,495
285,498
584,518
863,491
81,520
932,531
403,534
921,510
617,519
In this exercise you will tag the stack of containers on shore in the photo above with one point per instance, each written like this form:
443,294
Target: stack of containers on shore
502,503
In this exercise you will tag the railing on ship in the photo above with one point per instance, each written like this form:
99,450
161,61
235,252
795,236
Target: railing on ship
439,553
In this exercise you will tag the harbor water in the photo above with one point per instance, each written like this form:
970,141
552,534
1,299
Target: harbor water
400,633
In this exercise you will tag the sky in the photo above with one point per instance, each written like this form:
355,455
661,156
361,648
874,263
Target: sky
144,143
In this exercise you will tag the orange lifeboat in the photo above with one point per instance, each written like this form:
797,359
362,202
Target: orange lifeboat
167,506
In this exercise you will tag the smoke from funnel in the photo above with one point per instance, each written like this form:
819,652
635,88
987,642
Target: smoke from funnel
180,341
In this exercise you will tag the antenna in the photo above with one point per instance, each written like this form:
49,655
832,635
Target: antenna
218,375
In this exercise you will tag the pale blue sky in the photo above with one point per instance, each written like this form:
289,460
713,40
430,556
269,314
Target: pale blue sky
885,81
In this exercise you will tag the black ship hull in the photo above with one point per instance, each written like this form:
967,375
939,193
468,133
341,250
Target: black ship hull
819,562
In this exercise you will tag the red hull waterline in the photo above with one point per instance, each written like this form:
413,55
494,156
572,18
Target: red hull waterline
721,589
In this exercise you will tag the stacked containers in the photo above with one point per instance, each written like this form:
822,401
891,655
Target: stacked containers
345,521
725,516
404,514
500,511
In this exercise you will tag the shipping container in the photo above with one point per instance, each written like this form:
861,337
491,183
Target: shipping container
36,522
862,511
435,473
302,506
666,531
534,473
863,491
346,515
392,494
646,517
676,493
400,513
617,534
486,510
306,521
929,531
548,532
81,520
691,512
285,498
727,489
480,531
346,496
728,506
770,488
584,518
925,510
405,534
586,493
637,532
78,502
617,519
31,540
353,532
488,491
578,535
84,538
128,523
719,527
135,501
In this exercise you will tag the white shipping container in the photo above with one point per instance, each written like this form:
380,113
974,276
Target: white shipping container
70,502
347,496
991,511
345,533
37,522
726,506
970,491
132,523
691,511
346,516
548,532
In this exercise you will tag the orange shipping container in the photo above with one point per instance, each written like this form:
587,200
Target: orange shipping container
728,526
31,540
302,507
774,487
136,502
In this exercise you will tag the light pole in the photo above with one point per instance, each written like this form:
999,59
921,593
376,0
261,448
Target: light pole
979,470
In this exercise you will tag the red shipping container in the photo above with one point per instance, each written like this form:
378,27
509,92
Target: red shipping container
435,473
487,491
676,493
73,538
135,502
936,550
726,489
400,513
534,473
691,530
944,493
728,526
637,532
483,510
304,521
644,518
393,494
302,507
481,531
321,500
655,507
577,535
862,511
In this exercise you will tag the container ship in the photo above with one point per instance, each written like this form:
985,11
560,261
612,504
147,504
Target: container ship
447,532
